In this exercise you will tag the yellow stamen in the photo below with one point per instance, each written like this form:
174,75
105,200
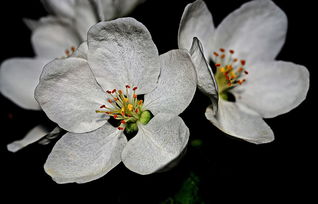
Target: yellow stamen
126,108
229,67
229,70
233,75
130,107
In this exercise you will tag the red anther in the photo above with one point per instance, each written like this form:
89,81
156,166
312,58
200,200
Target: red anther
222,50
216,54
120,92
122,113
241,81
223,56
127,86
134,89
115,99
73,49
240,69
245,72
243,62
67,52
110,101
135,96
108,91
137,110
235,60
227,77
123,122
231,51
114,90
217,65
120,128
102,106
115,116
229,84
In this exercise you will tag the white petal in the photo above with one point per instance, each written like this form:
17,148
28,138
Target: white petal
256,31
31,24
106,9
231,120
52,38
80,12
124,7
32,136
56,132
18,79
273,88
85,157
196,21
63,8
206,80
109,9
69,95
176,84
84,17
34,24
122,51
156,144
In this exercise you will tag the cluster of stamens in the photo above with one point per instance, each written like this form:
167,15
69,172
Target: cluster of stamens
123,106
69,52
229,70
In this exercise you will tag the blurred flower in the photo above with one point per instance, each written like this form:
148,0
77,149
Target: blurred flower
246,83
53,37
104,80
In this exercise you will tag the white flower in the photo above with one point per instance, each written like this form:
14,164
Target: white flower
104,79
53,37
247,84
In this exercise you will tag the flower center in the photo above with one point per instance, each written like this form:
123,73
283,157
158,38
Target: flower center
229,72
126,108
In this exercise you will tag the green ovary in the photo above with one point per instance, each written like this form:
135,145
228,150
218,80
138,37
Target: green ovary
145,117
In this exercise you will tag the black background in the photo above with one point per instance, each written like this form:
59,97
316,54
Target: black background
228,168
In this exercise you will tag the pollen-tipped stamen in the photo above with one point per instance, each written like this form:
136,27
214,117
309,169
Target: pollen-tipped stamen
125,107
229,70
68,52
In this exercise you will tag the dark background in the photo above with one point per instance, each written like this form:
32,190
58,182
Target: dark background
228,168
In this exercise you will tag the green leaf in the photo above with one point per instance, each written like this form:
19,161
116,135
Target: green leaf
188,193
196,143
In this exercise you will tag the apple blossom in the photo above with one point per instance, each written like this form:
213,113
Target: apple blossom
245,83
104,80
